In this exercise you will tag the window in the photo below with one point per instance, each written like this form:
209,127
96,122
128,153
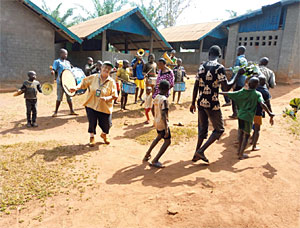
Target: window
251,38
251,43
263,44
276,38
245,38
256,43
240,43
264,38
245,43
270,37
275,43
257,38
270,43
240,38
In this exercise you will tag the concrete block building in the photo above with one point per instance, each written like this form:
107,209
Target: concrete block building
27,41
271,31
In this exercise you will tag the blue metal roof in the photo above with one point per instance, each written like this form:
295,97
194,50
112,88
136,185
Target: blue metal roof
119,19
55,23
258,12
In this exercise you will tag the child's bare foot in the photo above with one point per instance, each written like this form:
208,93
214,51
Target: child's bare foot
146,158
157,165
198,156
255,148
244,156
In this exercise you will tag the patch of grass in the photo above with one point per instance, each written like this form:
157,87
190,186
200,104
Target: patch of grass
293,125
179,134
24,177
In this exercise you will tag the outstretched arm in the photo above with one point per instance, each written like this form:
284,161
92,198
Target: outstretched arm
195,93
227,85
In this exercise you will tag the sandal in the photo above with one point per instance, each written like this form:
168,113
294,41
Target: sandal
157,165
199,156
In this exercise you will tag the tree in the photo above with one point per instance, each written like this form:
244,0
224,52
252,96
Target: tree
56,14
151,11
232,13
101,8
171,10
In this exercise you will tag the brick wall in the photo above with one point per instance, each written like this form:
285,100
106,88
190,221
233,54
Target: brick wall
27,43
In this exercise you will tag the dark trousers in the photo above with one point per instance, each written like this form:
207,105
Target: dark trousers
103,120
234,106
31,109
215,116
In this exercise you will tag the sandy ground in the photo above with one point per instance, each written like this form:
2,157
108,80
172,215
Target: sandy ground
261,192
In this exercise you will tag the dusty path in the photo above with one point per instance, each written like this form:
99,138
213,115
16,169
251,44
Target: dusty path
262,191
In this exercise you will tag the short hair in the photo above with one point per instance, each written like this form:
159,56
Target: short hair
179,59
242,49
125,61
215,50
151,55
253,81
31,73
164,85
99,62
62,50
264,61
90,58
162,60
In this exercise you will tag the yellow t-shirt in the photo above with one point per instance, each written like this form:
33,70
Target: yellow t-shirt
123,74
108,89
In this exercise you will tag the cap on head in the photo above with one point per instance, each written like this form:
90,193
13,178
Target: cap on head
108,63
164,85
99,62
173,51
125,61
215,50
62,50
31,73
264,61
179,60
162,60
90,59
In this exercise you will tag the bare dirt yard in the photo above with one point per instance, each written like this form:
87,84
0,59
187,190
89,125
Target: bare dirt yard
50,178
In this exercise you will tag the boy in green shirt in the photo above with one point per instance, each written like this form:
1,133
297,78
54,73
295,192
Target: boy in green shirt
247,100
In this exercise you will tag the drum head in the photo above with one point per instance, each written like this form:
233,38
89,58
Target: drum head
68,81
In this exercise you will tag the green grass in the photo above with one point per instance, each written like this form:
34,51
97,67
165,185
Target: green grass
294,125
179,134
25,177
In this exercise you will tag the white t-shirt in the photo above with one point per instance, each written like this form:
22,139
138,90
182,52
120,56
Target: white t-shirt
148,101
160,103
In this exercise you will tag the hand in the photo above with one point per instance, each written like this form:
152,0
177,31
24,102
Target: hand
193,108
103,98
72,90
241,71
271,121
52,72
167,133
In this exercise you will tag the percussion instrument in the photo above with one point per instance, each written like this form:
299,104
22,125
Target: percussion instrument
128,87
70,79
179,87
151,81
47,88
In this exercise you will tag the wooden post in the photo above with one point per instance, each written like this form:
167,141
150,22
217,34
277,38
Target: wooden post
103,44
200,49
126,45
151,44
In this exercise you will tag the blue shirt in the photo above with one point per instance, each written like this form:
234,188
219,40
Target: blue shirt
241,61
138,71
59,65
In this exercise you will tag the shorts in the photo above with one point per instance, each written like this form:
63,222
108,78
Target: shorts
60,93
245,126
163,132
140,83
100,118
258,120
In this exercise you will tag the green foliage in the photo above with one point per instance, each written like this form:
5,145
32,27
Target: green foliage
232,13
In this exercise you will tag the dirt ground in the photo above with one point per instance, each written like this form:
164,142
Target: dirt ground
260,192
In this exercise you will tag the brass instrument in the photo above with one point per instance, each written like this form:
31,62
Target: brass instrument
167,58
47,88
140,53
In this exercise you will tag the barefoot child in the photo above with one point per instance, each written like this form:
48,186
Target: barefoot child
160,110
179,74
30,89
246,100
262,88
123,74
148,103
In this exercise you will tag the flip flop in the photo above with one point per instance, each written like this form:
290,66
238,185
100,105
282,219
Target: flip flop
199,156
73,114
157,165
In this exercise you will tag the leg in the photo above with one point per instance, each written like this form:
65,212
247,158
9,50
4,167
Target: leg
136,95
141,94
202,126
162,150
92,118
104,121
123,101
60,94
69,100
243,146
255,137
28,112
147,110
178,99
174,93
153,144
34,112
240,139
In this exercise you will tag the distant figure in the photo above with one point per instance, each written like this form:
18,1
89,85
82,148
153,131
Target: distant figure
147,103
30,89
150,71
173,58
89,67
247,100
124,75
97,69
240,61
160,111
269,74
137,67
179,75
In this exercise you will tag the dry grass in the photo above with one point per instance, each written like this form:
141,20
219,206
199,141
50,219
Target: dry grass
179,134
294,125
26,177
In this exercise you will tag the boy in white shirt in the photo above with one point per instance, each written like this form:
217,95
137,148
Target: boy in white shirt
160,110
147,103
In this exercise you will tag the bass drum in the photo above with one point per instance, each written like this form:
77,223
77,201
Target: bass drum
72,78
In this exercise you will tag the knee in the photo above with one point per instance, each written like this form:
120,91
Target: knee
218,133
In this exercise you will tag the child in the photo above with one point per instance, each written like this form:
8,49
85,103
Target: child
123,74
262,88
150,71
114,75
30,88
148,103
246,100
160,110
179,74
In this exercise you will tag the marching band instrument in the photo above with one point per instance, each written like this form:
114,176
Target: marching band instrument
140,53
167,58
70,79
47,88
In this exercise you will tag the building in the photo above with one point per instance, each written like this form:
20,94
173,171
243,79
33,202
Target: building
125,31
27,40
271,31
197,38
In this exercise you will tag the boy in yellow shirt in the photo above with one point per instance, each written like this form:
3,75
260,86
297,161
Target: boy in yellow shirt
124,75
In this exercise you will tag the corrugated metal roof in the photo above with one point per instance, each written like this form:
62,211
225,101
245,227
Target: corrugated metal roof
193,32
258,12
60,28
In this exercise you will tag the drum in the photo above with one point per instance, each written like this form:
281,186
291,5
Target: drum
72,78
151,81
129,87
179,86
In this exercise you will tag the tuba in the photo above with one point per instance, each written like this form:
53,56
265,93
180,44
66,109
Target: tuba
140,53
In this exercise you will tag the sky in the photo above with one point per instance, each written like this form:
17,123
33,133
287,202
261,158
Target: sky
199,10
